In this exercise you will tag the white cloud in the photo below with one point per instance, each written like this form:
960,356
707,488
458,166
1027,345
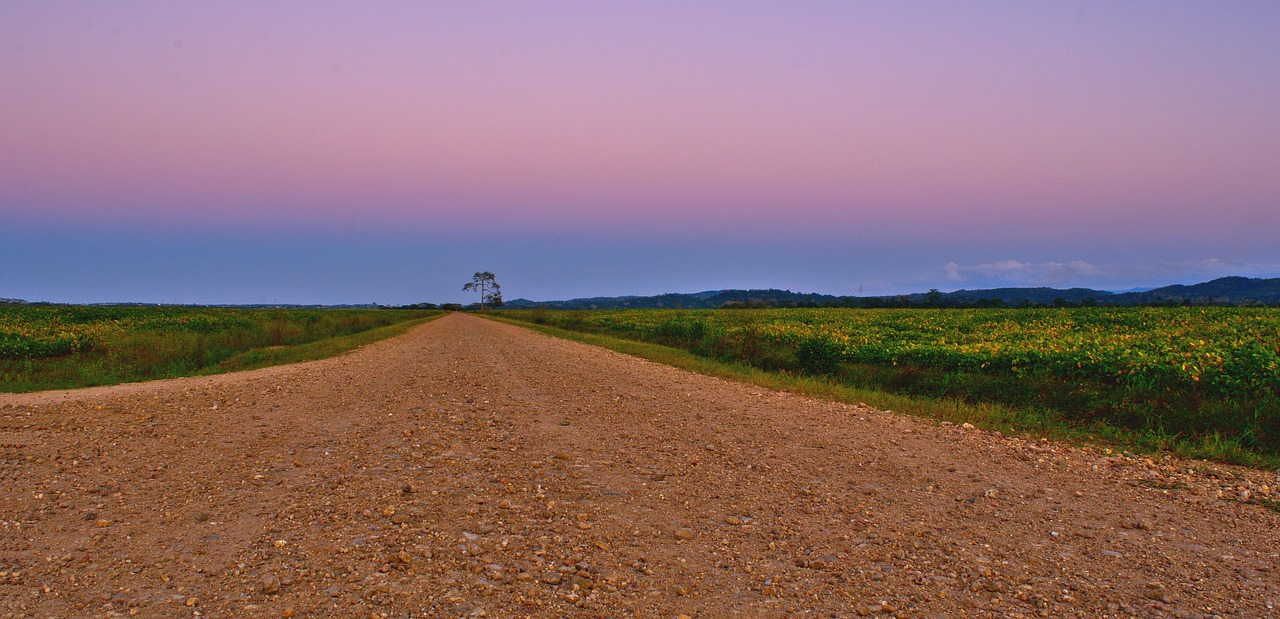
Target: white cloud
1014,272
1079,273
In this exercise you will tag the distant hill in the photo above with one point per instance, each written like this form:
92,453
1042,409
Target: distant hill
1223,291
1019,296
696,300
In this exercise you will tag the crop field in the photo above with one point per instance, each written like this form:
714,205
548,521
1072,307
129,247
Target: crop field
57,346
1208,376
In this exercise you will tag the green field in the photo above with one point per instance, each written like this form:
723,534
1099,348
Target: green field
1204,379
65,346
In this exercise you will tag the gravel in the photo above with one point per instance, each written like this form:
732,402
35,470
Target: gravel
470,468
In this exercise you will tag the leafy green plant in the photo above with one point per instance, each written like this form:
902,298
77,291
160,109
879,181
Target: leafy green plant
53,347
818,356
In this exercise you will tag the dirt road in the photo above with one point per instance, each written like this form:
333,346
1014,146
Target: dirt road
475,469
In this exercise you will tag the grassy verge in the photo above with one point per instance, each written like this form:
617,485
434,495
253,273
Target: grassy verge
68,347
322,349
1014,420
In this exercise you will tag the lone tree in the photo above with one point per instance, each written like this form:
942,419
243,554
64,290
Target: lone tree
489,289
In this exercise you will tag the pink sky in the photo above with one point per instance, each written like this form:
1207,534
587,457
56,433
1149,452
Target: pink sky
988,118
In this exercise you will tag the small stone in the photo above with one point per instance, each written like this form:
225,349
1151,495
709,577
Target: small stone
400,518
191,602
1137,524
563,422
269,585
825,562
504,504
685,533
389,511
733,520
551,579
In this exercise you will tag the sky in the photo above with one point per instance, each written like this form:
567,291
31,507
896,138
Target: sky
361,152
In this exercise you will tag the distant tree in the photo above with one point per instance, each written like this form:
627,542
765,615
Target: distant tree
489,289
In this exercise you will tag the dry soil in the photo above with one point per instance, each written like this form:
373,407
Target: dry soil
470,468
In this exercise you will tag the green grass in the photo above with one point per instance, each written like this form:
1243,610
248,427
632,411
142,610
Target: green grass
66,347
845,385
322,349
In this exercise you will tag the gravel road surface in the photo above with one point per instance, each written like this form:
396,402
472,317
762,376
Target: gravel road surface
475,469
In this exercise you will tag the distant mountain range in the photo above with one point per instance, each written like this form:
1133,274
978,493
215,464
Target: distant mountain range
1222,291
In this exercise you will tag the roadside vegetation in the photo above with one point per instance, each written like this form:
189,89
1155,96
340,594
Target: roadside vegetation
1198,381
64,346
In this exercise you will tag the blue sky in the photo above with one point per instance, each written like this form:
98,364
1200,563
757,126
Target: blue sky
301,152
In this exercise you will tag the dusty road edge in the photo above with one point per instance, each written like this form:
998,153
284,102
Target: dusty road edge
944,413
50,396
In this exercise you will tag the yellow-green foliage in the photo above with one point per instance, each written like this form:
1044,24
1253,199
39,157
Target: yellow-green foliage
52,346
1216,347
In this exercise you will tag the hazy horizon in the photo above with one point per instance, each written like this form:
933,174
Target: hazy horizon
337,153
475,298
